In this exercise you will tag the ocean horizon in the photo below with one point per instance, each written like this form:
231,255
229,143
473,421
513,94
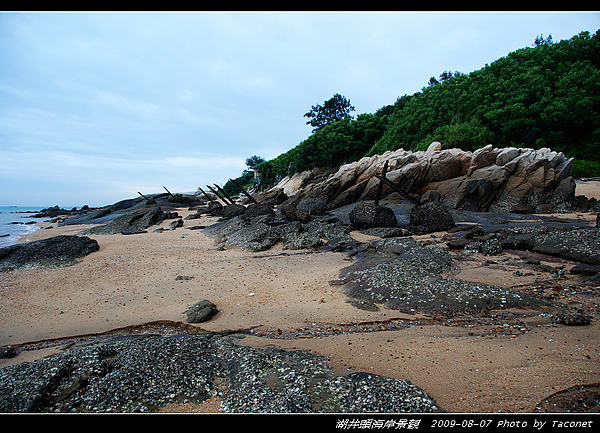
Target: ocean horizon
16,222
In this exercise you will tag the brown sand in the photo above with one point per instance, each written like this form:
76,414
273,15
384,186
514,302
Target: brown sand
470,367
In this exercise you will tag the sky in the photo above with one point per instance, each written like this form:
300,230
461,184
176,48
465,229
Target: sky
96,106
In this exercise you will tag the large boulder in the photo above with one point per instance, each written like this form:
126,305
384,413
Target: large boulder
57,251
367,215
430,217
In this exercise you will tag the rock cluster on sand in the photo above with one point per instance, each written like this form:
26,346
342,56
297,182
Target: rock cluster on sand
488,179
411,280
143,373
52,252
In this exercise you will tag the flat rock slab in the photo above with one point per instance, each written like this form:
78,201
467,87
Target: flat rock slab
412,282
145,373
51,252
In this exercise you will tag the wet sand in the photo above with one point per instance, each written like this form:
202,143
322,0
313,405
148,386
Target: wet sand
507,362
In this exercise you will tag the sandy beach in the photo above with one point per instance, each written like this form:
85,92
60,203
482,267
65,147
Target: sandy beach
503,363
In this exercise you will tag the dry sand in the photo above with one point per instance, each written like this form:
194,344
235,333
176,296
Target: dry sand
487,366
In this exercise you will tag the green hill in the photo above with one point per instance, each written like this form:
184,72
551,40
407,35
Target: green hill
542,96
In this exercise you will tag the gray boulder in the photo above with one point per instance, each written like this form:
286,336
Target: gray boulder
201,312
430,217
368,215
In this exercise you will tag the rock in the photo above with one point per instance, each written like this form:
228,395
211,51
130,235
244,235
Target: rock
7,352
176,224
256,237
436,146
488,179
586,270
491,247
578,244
431,196
522,209
135,221
573,317
232,210
57,251
256,209
273,197
413,283
518,241
543,208
135,374
384,232
370,215
201,312
430,217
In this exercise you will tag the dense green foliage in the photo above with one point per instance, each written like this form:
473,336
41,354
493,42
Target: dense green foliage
542,96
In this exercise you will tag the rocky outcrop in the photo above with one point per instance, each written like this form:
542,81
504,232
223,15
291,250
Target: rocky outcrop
57,251
145,373
136,221
488,179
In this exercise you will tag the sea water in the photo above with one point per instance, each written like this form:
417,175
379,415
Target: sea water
17,222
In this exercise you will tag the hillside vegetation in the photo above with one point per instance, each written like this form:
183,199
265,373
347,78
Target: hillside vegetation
547,95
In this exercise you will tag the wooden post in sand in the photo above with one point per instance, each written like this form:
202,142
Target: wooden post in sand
380,187
217,194
244,191
222,191
143,196
206,195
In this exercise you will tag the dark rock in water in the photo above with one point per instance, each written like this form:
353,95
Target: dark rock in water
57,251
368,215
201,312
145,373
430,217
135,221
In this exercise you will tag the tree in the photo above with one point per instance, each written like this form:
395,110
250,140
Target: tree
253,161
336,108
539,40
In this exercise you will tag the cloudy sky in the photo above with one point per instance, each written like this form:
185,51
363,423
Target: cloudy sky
97,106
